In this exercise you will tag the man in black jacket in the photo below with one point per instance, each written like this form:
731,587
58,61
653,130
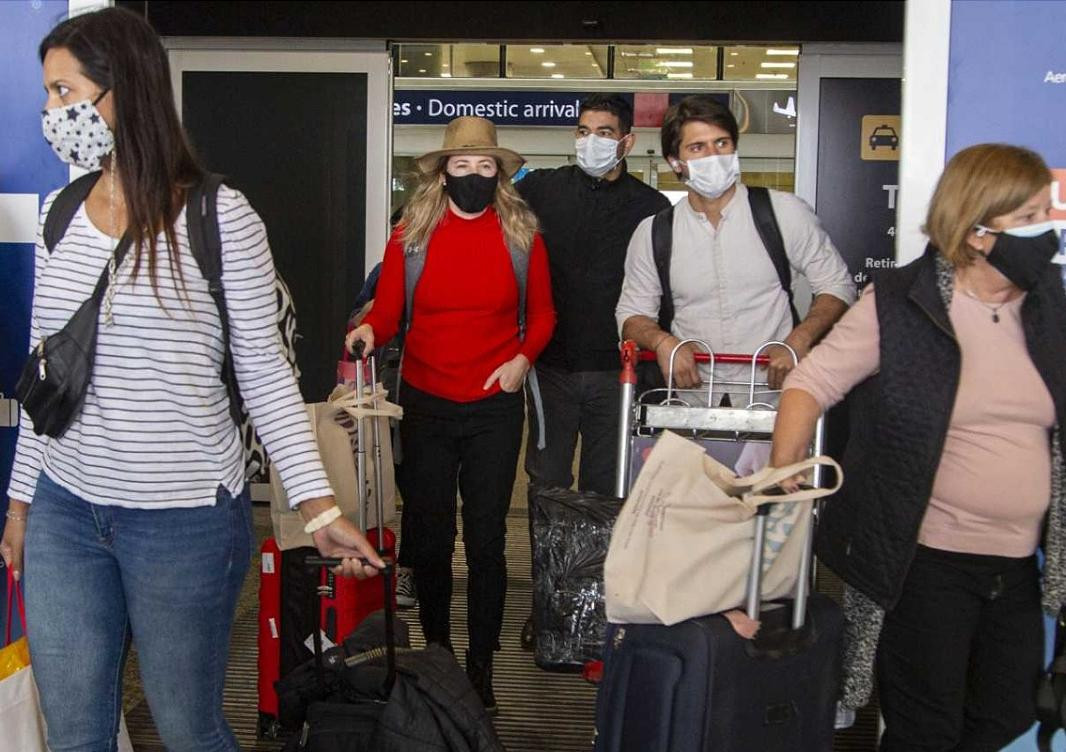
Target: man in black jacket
587,214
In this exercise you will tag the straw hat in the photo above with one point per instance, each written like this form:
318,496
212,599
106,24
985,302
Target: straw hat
471,135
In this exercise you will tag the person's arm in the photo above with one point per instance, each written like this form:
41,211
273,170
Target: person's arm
268,385
540,322
528,185
383,321
540,310
825,311
29,448
847,356
637,311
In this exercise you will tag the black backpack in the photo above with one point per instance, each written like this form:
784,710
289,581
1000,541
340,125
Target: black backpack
205,243
662,243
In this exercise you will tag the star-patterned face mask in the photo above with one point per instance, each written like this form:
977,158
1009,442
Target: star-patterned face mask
78,134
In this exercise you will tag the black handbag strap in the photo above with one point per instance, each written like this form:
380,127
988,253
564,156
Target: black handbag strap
62,211
65,206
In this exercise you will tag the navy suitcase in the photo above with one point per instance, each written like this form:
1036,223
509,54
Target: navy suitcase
697,686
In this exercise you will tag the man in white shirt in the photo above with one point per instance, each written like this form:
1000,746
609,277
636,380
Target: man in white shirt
723,282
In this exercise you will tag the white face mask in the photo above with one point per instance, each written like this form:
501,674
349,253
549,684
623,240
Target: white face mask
597,155
711,176
78,133
1031,231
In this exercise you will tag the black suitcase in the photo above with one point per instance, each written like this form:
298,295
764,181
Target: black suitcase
697,686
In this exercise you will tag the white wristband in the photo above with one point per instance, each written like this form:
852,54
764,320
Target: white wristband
322,519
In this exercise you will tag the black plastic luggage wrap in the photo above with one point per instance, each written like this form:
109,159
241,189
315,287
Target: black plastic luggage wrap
571,532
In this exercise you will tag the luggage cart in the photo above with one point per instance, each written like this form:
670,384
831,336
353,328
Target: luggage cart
642,417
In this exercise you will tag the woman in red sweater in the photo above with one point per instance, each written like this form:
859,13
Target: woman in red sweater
463,367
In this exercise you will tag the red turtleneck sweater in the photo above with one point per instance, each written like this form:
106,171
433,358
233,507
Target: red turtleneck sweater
465,321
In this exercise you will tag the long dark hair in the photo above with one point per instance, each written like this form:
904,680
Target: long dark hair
119,51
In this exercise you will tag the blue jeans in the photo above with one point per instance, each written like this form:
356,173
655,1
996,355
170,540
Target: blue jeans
97,576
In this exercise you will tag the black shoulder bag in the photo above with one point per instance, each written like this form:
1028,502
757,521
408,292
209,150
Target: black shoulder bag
54,380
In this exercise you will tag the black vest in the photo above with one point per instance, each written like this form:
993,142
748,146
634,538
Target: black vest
899,419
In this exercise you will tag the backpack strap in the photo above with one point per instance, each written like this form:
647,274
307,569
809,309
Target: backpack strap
662,246
205,244
65,206
520,263
414,261
762,211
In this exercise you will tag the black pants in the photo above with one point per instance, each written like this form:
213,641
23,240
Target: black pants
961,653
473,447
584,402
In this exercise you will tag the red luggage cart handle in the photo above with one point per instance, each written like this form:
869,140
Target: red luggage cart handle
631,355
702,357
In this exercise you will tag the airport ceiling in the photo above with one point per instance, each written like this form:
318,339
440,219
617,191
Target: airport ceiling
618,22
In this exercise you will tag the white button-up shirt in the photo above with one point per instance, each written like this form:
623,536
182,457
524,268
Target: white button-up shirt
724,285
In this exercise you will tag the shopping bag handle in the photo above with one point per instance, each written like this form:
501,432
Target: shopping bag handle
763,483
14,591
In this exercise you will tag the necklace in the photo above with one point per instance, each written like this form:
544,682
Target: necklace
993,308
112,270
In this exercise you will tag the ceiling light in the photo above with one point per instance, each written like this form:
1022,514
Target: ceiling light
589,54
428,54
445,75
673,50
676,64
537,50
558,75
775,76
777,65
548,64
421,70
679,75
402,60
782,52
734,54
730,65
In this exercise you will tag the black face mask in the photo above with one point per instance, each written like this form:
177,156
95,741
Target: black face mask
1024,261
471,193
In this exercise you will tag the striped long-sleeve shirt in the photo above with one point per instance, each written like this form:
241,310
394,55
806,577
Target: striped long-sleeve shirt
155,429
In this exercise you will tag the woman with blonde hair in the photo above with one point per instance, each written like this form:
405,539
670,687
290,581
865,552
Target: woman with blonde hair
465,359
956,365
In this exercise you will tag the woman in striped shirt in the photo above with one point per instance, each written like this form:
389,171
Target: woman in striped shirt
140,522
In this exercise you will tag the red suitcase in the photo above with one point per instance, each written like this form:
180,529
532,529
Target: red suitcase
289,591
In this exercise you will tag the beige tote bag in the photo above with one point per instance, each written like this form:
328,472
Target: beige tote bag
681,546
333,424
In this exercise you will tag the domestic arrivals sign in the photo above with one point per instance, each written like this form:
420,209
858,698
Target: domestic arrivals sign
521,107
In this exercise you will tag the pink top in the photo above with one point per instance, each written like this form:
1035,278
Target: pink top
993,484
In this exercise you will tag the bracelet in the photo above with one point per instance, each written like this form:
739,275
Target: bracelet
322,519
16,517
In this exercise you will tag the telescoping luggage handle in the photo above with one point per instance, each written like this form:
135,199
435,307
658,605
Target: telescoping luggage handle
367,366
628,379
